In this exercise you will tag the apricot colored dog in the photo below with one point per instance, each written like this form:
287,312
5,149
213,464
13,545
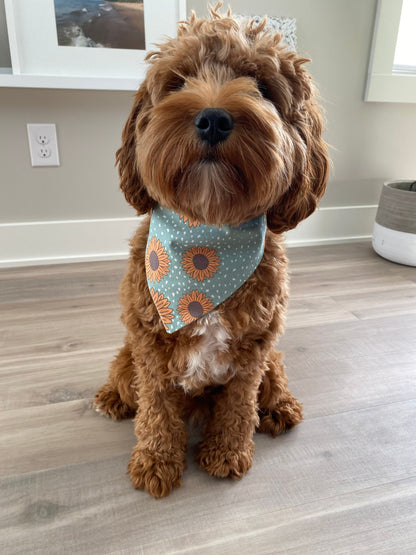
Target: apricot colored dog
224,137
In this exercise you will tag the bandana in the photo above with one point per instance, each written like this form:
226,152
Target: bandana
191,268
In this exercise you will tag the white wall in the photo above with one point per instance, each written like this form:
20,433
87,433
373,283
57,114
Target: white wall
370,142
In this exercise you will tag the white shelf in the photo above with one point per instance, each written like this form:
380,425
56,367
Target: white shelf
8,79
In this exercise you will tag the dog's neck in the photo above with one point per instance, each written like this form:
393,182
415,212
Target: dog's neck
192,267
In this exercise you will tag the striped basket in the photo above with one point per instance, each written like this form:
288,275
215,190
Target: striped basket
394,234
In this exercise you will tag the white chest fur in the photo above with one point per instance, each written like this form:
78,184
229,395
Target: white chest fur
207,362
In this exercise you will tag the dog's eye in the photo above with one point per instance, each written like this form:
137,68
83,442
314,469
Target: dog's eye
263,90
176,84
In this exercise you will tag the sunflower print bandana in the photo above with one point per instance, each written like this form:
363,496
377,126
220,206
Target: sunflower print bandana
192,268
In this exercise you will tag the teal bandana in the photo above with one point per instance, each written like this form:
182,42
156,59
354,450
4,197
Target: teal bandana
191,268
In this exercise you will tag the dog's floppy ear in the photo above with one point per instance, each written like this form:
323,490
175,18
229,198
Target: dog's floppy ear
311,166
131,182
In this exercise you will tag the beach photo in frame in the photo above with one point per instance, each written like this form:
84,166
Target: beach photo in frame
100,23
38,46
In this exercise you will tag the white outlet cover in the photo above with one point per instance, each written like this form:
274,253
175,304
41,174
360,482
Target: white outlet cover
48,130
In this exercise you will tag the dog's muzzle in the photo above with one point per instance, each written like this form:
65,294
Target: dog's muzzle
213,125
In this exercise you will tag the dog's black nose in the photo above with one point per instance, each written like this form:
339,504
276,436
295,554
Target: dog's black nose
213,125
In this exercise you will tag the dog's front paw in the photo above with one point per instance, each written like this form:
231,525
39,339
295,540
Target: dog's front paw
107,401
223,461
157,477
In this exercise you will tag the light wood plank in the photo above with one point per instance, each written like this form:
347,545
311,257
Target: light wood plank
34,311
312,311
323,345
378,304
60,281
53,379
354,384
38,438
342,280
58,327
348,256
355,252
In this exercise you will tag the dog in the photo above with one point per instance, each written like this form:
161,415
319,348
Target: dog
225,140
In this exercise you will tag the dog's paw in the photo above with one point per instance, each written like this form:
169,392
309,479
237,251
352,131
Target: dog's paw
281,418
155,476
222,461
107,401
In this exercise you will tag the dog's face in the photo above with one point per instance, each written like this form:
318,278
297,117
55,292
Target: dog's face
225,128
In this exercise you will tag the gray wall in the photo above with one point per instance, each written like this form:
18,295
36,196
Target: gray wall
370,142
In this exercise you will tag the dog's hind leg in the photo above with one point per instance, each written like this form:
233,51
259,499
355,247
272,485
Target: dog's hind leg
279,411
116,397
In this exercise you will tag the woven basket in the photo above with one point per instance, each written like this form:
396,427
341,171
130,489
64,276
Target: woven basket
394,234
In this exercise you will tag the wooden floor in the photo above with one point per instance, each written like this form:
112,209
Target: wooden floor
344,481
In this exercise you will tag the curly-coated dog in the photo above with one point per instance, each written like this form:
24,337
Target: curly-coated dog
223,153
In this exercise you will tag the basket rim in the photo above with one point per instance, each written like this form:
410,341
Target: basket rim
389,185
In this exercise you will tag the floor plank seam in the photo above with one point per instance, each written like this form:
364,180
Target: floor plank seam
39,358
358,409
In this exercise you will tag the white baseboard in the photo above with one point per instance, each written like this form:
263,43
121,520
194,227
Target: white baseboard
334,224
35,243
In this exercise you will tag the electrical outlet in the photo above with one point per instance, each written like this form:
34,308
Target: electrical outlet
44,152
42,139
40,135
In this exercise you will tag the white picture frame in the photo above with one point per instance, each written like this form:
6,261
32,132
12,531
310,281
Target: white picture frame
37,57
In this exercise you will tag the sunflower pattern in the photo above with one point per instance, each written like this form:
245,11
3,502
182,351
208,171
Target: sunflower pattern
163,307
200,262
156,261
191,223
194,305
191,267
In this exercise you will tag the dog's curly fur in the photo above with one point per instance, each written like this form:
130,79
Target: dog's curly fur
274,162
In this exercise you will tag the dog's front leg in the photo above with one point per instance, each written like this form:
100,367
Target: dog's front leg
228,446
158,460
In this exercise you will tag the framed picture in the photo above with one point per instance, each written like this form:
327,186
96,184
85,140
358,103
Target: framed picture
91,39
